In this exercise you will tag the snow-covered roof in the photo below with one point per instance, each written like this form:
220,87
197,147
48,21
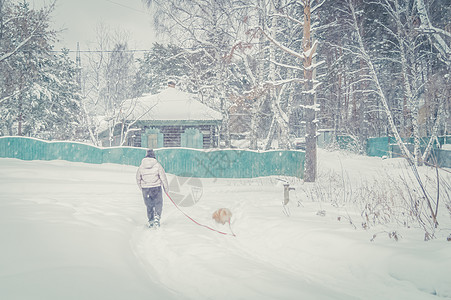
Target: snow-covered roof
169,105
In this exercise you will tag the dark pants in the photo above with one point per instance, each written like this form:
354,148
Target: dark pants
153,198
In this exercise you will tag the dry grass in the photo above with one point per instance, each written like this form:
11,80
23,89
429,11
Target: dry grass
387,200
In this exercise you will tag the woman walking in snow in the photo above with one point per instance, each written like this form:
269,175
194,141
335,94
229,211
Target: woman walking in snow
150,177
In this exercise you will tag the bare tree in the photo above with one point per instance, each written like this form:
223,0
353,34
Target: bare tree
108,84
306,56
439,35
207,29
364,55
411,44
93,81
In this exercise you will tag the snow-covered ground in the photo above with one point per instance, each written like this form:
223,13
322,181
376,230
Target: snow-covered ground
77,231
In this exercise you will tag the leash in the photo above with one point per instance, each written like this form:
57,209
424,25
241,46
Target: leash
208,227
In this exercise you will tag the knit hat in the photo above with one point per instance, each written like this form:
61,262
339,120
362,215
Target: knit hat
150,153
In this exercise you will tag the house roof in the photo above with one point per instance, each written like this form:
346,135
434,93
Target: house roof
170,105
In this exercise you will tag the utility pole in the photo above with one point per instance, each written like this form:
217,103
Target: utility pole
78,64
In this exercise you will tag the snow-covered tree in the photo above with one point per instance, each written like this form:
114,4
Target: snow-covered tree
119,76
294,57
411,51
59,109
109,82
440,37
38,94
398,52
159,65
206,30
93,80
309,47
379,64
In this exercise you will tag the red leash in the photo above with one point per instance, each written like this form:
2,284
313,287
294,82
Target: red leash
208,227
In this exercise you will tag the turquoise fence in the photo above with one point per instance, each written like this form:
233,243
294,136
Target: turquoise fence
177,161
387,146
381,146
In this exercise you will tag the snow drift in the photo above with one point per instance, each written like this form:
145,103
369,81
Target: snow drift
77,231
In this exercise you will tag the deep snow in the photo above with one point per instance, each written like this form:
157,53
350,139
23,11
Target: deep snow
77,231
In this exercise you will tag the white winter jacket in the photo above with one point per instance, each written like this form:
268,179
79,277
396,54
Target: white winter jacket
151,174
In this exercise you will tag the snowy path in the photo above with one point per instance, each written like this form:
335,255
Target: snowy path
65,232
76,231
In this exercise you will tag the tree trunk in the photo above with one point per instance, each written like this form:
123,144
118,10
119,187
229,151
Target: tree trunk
281,119
428,149
255,119
310,107
440,43
270,137
379,90
225,124
409,71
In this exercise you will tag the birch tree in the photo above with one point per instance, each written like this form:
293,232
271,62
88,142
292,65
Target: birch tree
119,76
440,36
204,28
110,81
364,55
256,76
93,82
304,57
412,44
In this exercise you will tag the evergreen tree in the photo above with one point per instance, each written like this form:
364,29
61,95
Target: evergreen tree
61,100
158,66
38,90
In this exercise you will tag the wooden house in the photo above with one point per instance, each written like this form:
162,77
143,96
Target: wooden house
172,118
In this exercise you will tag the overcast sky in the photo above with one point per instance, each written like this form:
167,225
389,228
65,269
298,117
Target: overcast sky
80,18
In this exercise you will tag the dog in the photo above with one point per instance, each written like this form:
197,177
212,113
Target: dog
222,215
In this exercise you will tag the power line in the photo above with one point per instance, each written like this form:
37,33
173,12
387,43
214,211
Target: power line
126,6
137,50
100,51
